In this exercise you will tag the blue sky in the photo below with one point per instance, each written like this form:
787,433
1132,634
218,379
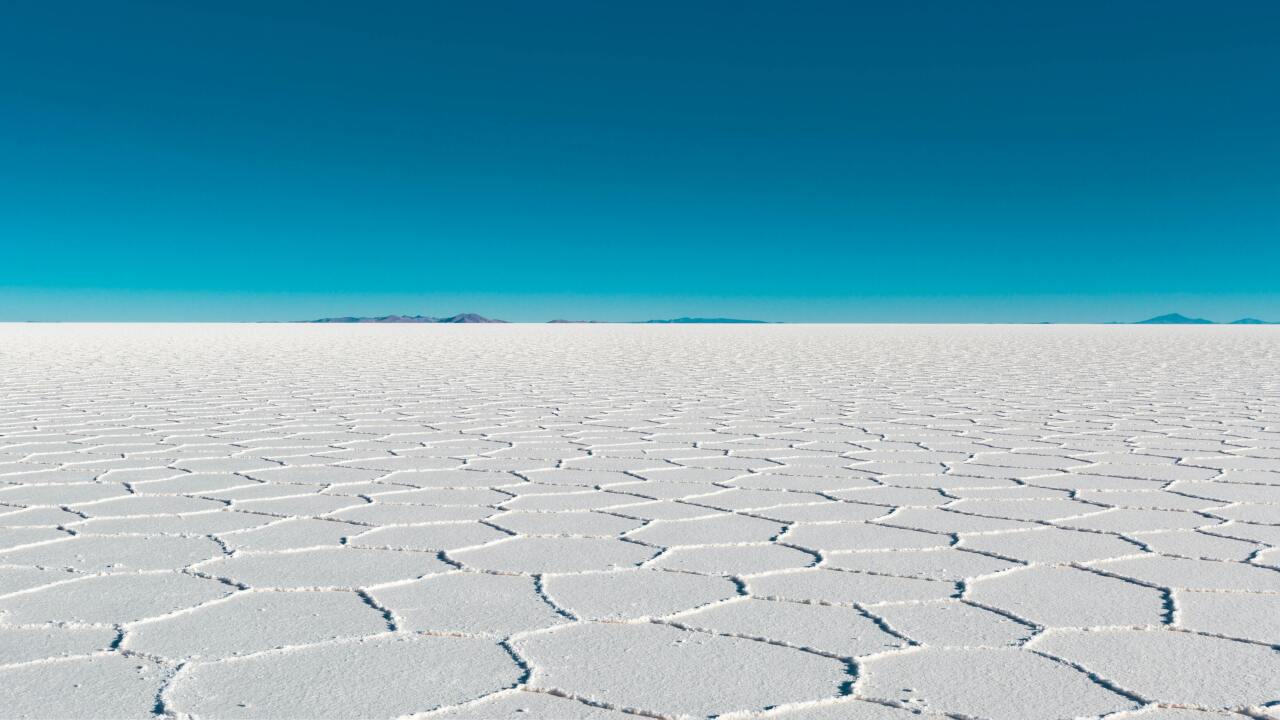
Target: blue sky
819,161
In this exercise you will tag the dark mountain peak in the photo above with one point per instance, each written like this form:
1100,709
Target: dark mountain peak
1251,321
1174,319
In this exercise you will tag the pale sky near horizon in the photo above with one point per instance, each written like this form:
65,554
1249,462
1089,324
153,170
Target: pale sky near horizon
817,161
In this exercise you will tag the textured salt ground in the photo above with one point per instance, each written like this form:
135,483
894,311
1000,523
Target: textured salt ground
602,522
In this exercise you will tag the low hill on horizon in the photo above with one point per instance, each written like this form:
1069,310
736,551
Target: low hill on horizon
700,321
1180,319
1174,319
459,318
469,318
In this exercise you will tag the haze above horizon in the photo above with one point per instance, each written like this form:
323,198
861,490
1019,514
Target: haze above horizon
921,161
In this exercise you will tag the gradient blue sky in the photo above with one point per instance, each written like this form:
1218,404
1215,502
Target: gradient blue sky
820,161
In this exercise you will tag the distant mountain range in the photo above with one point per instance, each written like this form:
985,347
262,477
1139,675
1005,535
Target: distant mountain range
1170,319
701,321
673,321
474,318
1178,319
460,318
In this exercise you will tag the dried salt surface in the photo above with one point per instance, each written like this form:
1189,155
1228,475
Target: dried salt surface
611,521
412,674
1178,667
522,705
95,686
251,622
645,665
996,683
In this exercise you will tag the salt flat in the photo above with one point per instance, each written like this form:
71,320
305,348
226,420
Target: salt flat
798,522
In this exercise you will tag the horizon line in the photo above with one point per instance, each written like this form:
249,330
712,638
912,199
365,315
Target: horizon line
472,318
